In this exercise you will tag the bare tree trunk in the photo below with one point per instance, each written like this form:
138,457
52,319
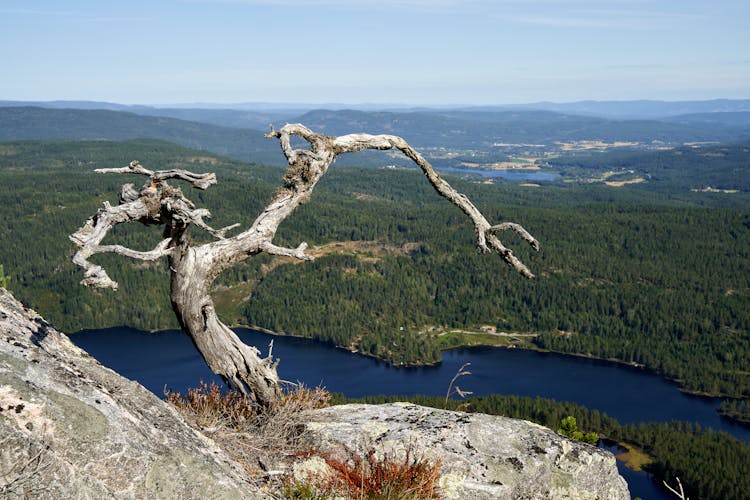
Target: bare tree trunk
194,268
238,364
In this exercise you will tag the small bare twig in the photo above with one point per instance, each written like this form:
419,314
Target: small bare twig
298,253
454,388
679,494
24,478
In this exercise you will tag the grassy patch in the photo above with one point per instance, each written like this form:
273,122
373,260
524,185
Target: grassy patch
255,438
267,442
230,301
453,339
634,458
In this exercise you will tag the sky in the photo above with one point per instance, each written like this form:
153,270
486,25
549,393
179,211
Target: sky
416,52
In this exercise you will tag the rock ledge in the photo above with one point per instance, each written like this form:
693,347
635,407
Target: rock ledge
482,456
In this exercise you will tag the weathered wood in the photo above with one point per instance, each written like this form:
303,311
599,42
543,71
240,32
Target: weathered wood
194,267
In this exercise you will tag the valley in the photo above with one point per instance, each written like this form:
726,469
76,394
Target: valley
644,231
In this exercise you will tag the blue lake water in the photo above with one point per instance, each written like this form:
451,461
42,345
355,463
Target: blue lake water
513,175
169,360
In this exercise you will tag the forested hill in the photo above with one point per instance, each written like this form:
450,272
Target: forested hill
214,115
675,171
482,128
626,274
735,118
45,123
452,130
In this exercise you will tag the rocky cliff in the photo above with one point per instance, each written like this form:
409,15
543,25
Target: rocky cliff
71,428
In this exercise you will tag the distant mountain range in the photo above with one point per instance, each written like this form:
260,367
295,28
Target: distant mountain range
481,129
641,109
239,133
259,112
46,123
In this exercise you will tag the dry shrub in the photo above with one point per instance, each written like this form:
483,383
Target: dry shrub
266,441
413,477
207,408
259,439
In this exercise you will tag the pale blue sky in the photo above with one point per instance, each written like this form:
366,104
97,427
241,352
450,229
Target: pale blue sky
384,51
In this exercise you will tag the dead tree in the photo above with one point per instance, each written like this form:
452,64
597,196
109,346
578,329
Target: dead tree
679,494
193,268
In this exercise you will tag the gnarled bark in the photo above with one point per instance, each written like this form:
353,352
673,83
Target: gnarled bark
194,267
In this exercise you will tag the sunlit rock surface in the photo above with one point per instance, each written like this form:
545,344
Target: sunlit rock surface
482,456
71,428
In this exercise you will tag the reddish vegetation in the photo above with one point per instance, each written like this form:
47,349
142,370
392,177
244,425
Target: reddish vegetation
255,436
386,477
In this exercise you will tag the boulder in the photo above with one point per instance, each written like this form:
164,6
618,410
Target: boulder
481,456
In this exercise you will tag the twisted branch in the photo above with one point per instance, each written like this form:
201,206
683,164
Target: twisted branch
200,181
324,148
88,237
156,203
194,268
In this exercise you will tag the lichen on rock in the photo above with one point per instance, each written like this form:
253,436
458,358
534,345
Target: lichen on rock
72,428
481,456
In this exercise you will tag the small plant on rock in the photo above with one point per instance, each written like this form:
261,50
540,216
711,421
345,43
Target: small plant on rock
452,387
569,427
259,438
373,477
4,280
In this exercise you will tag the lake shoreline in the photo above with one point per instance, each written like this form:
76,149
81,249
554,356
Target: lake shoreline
526,347
341,347
632,396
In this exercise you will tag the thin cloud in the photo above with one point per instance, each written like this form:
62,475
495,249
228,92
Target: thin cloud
567,22
73,15
34,12
422,4
605,18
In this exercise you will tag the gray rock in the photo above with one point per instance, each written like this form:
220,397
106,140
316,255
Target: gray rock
482,456
71,428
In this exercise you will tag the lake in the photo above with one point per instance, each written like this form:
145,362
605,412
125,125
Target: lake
512,175
169,360
629,394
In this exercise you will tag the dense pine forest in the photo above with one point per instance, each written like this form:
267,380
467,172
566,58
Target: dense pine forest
671,171
644,277
643,274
